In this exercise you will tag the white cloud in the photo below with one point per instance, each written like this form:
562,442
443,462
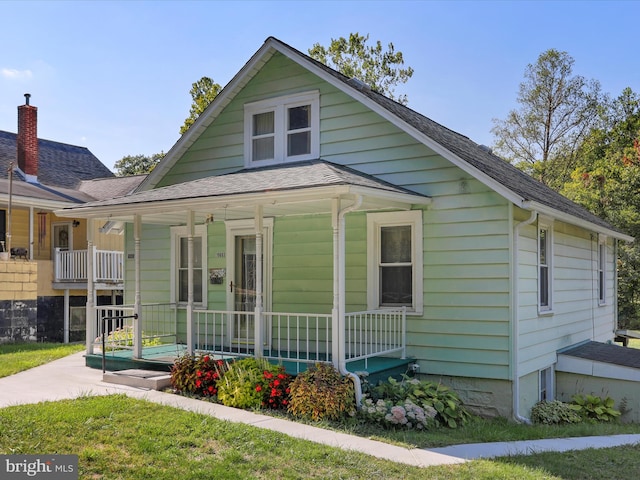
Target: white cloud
13,74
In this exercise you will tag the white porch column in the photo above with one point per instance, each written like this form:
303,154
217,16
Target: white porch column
335,315
31,233
190,233
258,322
66,316
137,322
92,319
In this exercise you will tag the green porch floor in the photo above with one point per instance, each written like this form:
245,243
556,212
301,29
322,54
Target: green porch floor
161,358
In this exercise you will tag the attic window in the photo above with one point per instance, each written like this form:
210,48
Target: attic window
282,129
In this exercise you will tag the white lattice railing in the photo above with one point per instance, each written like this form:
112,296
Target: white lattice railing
71,266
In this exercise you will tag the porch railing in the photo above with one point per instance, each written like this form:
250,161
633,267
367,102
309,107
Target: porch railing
157,320
375,333
301,337
71,266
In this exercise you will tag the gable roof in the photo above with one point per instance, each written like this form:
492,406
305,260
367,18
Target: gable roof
477,160
60,165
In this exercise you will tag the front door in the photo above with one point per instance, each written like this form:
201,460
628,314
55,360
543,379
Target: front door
242,283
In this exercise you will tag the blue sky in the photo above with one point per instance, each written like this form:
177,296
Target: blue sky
115,76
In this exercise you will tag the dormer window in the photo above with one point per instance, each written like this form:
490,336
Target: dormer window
282,129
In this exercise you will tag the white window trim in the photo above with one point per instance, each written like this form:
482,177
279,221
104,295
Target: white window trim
549,374
176,234
545,224
279,105
602,266
389,219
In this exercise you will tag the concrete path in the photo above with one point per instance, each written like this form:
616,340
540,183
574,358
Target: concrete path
70,378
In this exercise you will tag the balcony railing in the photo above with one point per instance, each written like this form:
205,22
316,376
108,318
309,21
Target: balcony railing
71,266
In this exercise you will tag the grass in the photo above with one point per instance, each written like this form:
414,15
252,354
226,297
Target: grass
16,357
117,437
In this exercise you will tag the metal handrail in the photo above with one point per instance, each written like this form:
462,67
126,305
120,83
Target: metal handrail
104,324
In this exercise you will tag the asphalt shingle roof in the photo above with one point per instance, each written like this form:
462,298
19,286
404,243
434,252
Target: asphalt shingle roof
475,155
59,164
606,353
313,173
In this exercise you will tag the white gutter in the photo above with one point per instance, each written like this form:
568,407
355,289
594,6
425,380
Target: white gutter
515,328
340,362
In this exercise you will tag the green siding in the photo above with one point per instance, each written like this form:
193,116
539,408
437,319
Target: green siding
464,329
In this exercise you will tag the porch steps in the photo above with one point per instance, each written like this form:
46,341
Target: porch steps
149,379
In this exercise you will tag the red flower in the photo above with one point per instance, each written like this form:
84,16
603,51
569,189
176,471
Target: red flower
267,375
215,375
276,382
281,376
198,383
206,358
258,388
198,373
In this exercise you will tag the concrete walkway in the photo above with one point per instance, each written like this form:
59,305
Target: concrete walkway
69,378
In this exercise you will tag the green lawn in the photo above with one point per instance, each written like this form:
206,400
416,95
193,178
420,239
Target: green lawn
117,437
16,357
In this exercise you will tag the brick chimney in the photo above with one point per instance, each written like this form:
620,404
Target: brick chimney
28,140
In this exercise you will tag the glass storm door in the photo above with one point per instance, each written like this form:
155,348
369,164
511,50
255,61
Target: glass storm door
244,285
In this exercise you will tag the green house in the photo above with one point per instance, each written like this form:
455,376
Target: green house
305,217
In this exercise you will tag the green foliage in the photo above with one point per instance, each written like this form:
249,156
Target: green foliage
123,337
607,182
594,408
202,92
554,413
322,393
137,164
354,58
254,383
437,401
557,110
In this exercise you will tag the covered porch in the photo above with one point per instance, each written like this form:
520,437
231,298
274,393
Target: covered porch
249,325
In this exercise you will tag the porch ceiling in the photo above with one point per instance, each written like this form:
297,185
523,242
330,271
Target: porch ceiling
295,189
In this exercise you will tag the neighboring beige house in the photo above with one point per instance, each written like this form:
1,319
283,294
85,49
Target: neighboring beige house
47,176
304,217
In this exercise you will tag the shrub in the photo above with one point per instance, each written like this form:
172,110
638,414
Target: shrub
242,385
554,413
197,375
322,393
429,396
390,414
593,408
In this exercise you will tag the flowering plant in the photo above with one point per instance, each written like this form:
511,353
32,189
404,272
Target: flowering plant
198,375
390,415
276,393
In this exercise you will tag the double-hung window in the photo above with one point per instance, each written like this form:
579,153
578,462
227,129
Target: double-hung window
546,391
394,276
545,266
282,129
602,270
180,263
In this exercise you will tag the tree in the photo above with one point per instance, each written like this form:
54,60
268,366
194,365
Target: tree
137,164
557,111
202,92
607,182
354,58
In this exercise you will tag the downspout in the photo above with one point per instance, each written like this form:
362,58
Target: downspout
342,363
516,320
